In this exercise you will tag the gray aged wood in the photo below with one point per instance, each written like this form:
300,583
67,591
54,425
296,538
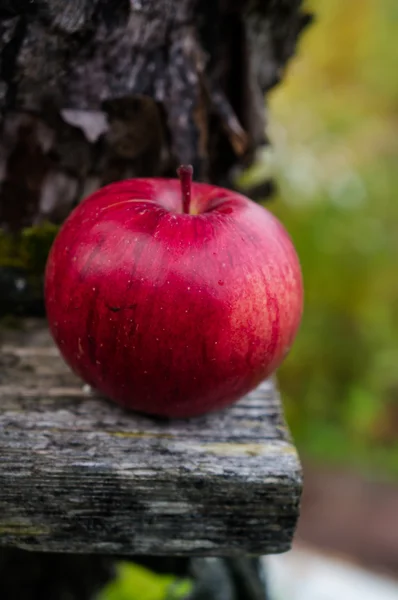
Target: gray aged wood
78,474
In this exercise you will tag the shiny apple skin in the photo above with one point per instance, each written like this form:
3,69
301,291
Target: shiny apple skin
167,313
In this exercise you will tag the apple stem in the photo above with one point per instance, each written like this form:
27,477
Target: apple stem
185,173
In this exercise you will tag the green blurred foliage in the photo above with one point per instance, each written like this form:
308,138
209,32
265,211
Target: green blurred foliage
334,126
134,582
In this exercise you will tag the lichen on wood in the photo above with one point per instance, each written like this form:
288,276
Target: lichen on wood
28,248
23,255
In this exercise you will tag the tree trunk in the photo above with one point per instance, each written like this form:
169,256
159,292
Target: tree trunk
92,91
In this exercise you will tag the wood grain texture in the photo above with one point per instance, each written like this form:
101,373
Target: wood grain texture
78,474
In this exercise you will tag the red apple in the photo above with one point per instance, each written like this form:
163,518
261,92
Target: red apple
170,297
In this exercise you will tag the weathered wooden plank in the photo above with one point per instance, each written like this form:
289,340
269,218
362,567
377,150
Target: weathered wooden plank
78,474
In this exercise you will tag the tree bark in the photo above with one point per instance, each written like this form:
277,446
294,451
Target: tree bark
92,91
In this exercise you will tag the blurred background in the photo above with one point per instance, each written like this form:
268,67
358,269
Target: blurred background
334,126
334,129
